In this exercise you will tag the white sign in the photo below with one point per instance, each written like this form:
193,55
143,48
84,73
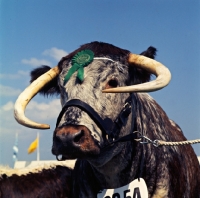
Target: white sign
135,189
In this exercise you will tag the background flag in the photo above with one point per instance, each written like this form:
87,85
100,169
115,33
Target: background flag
15,148
33,146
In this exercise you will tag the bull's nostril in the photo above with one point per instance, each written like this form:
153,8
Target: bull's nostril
78,136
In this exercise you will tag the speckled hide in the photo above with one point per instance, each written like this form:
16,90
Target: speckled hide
52,181
169,171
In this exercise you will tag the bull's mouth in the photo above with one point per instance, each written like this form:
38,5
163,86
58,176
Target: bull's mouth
74,142
69,152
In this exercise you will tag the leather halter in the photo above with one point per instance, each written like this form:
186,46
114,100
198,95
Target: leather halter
104,124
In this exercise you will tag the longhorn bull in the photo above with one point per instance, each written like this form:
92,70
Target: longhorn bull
102,89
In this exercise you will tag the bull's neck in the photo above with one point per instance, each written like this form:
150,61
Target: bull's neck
121,170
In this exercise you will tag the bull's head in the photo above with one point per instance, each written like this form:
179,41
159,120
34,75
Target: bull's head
109,78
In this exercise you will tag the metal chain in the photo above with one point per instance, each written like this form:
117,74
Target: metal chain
157,143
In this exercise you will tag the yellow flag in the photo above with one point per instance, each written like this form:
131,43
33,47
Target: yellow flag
33,146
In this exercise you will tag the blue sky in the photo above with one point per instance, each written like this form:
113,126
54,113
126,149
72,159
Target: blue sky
41,32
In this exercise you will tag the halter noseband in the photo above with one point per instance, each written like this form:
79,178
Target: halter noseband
106,125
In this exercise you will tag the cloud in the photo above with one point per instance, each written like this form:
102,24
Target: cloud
8,91
43,111
36,110
6,114
18,75
23,73
8,106
56,53
53,52
35,62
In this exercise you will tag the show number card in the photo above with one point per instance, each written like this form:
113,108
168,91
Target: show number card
135,189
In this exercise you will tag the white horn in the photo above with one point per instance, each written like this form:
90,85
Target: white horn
25,97
162,73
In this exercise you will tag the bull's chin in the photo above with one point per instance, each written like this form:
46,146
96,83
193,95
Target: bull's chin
76,153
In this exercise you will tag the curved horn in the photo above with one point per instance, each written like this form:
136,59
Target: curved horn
162,73
25,97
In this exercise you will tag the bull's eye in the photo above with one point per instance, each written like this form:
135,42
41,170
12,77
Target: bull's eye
112,83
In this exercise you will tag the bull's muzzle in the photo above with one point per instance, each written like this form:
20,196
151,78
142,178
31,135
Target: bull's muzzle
74,142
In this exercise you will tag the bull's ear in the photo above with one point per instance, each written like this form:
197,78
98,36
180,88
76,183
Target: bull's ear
138,75
49,89
150,52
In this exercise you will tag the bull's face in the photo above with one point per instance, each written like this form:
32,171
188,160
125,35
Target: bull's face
77,135
107,82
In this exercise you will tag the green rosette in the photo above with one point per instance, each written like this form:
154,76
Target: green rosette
80,60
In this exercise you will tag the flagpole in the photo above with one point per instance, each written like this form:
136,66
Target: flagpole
38,147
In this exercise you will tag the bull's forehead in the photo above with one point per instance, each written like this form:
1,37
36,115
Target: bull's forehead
97,66
96,74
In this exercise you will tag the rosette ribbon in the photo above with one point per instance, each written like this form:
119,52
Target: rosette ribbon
79,61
